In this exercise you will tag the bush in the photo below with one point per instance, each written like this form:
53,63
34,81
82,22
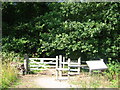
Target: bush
112,73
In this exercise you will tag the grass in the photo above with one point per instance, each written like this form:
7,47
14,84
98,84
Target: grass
8,73
90,81
108,79
84,80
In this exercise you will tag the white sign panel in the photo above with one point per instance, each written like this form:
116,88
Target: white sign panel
96,65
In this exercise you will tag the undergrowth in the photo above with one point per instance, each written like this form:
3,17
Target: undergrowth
107,79
8,73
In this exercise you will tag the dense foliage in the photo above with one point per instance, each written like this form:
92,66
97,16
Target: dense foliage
89,30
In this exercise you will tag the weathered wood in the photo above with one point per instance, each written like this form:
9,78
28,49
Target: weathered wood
101,60
61,69
74,63
79,63
63,62
68,68
37,69
71,73
26,61
56,67
42,61
36,65
49,66
74,66
58,63
49,62
74,70
42,58
60,59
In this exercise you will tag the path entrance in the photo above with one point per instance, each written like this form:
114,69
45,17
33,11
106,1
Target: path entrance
42,80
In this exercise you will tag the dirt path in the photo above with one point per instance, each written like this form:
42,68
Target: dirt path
27,81
41,81
51,82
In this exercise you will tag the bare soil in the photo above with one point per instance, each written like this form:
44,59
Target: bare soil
45,79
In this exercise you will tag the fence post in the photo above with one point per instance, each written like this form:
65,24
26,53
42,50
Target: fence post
56,67
68,68
60,63
101,59
63,62
79,63
26,61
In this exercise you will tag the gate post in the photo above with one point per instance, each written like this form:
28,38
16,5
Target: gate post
68,68
26,61
60,63
56,67
63,62
79,63
101,59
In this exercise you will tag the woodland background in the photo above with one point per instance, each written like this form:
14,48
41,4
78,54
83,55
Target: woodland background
86,30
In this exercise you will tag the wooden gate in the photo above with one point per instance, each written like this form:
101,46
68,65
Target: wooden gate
40,63
57,64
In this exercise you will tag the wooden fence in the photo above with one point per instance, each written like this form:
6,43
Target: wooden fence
40,63
60,64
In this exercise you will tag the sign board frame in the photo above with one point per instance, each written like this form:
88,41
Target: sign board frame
96,65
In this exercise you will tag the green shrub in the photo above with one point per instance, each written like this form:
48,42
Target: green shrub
112,72
11,57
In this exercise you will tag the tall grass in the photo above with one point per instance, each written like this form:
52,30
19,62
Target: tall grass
109,78
90,81
8,73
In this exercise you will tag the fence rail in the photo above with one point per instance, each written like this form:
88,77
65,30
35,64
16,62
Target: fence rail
41,63
59,64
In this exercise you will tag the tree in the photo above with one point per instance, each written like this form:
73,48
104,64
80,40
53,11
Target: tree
89,30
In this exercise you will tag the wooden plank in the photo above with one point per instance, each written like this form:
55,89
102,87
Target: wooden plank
64,69
83,61
49,66
42,58
84,65
35,62
79,63
57,67
36,69
75,63
73,73
74,70
69,68
50,62
60,66
74,66
36,65
64,62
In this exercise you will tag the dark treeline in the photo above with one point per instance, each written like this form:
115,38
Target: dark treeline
89,30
